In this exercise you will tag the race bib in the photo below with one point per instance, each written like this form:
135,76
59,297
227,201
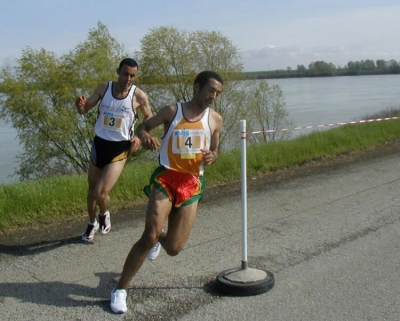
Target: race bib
112,121
187,142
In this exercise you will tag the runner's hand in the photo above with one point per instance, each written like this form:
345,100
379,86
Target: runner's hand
80,101
150,142
80,104
135,144
209,157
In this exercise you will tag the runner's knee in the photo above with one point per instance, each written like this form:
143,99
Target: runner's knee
100,196
173,249
149,239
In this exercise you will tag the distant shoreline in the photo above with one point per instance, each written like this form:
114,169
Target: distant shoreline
278,74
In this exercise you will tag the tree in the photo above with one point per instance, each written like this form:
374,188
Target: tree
381,65
322,68
368,65
301,70
354,68
38,95
393,67
38,98
171,58
266,112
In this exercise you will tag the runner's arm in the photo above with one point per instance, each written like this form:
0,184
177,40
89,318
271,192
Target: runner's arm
163,117
143,104
210,156
83,105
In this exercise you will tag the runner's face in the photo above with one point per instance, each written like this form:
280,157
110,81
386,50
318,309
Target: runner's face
209,93
126,75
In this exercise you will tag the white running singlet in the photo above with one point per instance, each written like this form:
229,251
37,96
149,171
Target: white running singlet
116,118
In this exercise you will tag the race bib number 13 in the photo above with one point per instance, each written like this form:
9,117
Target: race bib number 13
188,142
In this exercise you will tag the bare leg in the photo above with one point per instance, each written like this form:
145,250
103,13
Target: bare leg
109,176
93,176
158,209
180,224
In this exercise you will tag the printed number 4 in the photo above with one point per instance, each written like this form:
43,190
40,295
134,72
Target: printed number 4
188,142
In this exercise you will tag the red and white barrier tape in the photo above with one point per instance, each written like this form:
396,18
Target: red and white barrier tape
325,125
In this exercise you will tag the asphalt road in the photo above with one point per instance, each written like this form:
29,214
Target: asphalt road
330,235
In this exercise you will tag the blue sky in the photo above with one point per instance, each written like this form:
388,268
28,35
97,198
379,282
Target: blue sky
269,34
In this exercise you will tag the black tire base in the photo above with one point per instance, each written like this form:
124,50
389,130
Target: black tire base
227,286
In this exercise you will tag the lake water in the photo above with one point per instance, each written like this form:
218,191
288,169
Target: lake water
309,101
319,101
9,144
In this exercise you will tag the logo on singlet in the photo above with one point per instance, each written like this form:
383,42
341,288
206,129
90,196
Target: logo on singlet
181,133
125,109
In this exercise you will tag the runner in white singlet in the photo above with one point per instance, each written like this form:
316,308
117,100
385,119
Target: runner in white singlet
113,141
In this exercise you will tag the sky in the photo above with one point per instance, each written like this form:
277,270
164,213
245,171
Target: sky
269,34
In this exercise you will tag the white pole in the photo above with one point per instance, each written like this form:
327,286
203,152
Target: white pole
244,191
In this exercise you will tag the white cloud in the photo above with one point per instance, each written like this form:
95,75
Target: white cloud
280,58
348,35
269,46
271,35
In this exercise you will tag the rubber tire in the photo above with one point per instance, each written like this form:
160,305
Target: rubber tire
227,287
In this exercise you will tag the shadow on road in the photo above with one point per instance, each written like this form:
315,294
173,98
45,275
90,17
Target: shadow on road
39,247
61,294
73,295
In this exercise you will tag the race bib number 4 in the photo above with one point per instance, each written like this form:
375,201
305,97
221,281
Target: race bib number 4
112,121
188,142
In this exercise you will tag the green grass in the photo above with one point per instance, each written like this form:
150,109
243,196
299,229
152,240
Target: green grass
64,198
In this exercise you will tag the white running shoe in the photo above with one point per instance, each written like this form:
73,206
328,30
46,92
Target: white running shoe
90,231
105,223
154,252
118,301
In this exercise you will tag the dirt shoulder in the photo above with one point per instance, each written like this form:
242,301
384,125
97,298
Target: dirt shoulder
71,231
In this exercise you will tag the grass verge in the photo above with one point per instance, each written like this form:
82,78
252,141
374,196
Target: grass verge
64,198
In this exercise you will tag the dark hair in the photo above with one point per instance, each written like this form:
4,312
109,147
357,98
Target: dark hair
129,62
203,78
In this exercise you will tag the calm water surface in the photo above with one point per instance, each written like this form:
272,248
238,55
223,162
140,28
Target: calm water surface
318,101
309,101
10,147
